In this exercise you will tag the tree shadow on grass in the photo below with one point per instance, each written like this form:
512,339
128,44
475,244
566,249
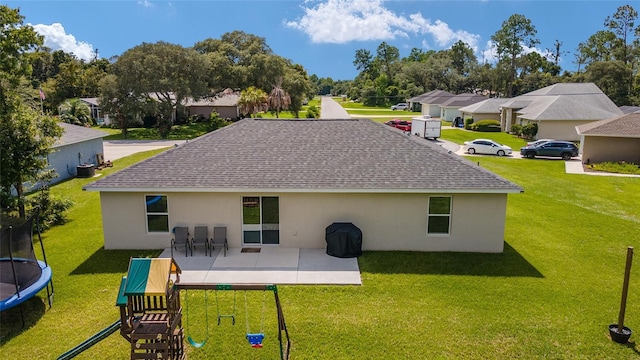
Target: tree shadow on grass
11,319
509,263
111,261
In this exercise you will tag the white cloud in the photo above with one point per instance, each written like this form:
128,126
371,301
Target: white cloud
56,38
342,21
489,54
145,3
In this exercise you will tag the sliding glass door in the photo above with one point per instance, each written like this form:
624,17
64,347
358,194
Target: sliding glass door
260,220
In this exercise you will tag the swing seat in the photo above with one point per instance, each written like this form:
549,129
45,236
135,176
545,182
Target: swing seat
255,340
196,344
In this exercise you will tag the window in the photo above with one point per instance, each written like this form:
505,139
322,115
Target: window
157,213
439,217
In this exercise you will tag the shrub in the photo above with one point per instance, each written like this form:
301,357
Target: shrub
312,112
530,131
485,126
216,121
467,123
516,129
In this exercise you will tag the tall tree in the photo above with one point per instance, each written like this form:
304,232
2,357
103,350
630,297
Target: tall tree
516,32
364,61
622,24
122,105
25,135
278,99
165,75
388,56
26,138
600,46
252,101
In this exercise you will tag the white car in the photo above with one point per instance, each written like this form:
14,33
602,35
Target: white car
486,146
400,106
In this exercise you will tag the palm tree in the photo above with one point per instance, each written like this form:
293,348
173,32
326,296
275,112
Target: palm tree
253,100
76,112
278,98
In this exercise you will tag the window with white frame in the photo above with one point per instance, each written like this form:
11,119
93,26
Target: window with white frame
157,213
439,216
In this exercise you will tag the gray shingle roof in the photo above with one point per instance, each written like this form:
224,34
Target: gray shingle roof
621,126
74,134
224,100
355,155
463,100
488,106
432,97
565,101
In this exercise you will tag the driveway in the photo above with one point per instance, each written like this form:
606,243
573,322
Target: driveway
116,149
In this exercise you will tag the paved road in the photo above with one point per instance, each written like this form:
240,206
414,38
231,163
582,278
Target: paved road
330,109
116,149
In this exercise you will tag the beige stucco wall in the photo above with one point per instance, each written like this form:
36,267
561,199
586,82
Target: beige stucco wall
432,110
224,111
596,149
449,114
557,129
387,221
482,116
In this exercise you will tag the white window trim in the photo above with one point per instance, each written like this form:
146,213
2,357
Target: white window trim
448,233
147,213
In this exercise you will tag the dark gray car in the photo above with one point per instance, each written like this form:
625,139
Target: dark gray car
564,149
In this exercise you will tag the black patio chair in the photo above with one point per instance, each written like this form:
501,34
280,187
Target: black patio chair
181,238
201,238
220,238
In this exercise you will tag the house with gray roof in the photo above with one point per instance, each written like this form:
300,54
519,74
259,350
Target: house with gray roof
430,102
225,104
558,109
488,109
614,139
282,182
96,113
450,109
78,145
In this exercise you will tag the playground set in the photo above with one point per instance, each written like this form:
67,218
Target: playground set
151,312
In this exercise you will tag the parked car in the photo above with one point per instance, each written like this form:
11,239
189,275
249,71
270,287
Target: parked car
486,146
538,142
403,125
400,106
564,149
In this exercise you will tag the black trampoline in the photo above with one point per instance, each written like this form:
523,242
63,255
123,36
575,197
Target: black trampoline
22,275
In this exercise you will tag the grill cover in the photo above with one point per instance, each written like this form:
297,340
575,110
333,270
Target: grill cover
344,240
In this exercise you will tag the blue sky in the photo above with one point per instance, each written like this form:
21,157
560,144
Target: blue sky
321,35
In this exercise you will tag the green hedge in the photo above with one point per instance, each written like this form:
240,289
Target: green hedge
486,126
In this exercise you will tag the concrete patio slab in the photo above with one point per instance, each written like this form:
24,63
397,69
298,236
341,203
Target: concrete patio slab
272,265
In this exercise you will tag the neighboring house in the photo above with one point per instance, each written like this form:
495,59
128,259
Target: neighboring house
78,145
225,104
488,109
614,139
430,102
450,109
558,109
282,182
96,114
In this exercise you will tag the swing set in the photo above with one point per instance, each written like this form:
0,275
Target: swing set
255,339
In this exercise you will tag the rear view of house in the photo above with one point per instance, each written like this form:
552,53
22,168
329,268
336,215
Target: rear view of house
282,182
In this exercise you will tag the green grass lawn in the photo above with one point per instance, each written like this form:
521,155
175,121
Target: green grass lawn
178,132
551,294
